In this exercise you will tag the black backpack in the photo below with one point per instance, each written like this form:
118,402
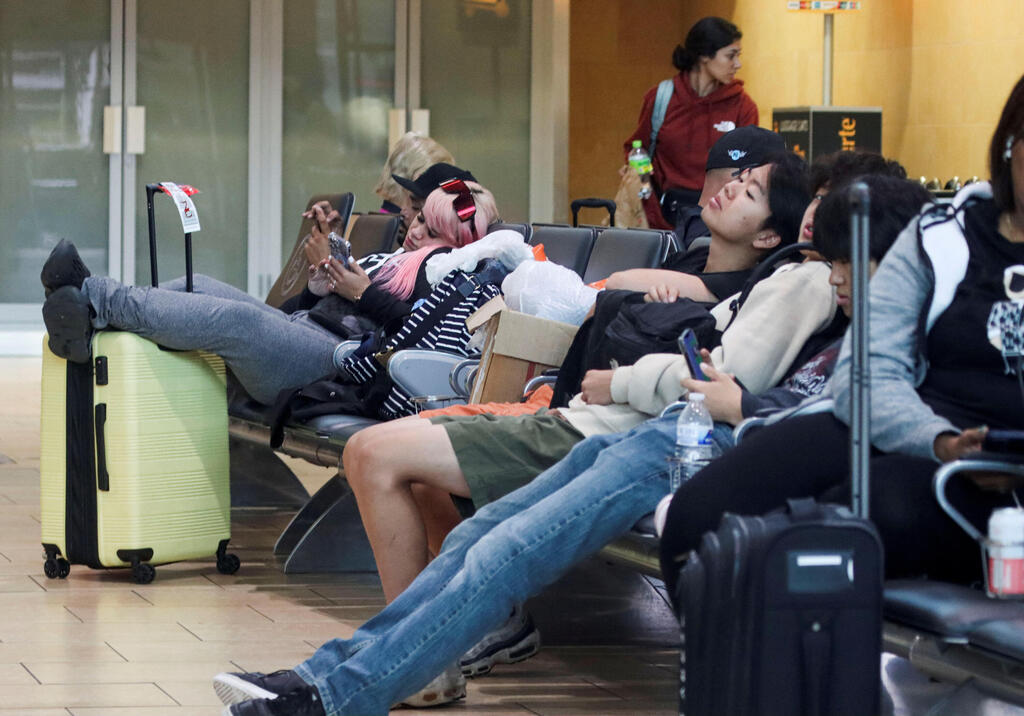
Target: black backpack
624,328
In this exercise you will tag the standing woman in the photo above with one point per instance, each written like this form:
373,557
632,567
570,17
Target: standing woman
706,102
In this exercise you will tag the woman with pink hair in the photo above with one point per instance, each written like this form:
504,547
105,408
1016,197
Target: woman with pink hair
440,226
267,349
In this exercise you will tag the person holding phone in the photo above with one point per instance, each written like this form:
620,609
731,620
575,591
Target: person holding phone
344,286
267,349
937,381
725,398
528,536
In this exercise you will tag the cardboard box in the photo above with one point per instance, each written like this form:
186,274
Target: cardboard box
516,348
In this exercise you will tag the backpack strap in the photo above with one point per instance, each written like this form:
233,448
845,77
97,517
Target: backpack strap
763,268
665,90
463,285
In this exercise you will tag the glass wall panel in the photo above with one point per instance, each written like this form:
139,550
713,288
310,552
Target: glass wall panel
193,80
54,83
475,70
339,70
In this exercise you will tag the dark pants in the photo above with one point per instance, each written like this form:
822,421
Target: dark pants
809,457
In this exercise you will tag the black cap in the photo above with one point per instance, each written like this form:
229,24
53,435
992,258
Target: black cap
432,178
744,147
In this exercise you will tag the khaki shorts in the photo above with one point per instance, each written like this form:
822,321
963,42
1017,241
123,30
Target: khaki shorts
500,453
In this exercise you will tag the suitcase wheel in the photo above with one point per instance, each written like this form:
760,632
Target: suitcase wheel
143,573
228,564
56,568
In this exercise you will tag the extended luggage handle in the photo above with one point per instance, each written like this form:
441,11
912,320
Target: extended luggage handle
592,203
860,367
152,189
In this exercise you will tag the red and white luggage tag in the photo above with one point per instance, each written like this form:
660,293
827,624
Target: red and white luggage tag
182,196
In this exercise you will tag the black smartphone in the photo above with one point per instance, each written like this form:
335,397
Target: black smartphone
1004,441
691,352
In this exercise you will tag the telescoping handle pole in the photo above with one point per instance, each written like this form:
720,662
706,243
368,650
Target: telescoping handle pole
860,371
151,190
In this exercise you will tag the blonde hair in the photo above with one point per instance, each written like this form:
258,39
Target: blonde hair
412,155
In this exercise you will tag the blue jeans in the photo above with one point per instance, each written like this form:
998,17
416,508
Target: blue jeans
509,550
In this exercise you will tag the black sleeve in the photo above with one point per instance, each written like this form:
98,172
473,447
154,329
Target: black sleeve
725,283
722,284
383,307
770,401
686,261
300,302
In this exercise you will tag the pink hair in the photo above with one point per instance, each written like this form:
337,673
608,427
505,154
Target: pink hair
439,215
398,275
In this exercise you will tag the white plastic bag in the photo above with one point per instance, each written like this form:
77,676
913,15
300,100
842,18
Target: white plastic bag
547,290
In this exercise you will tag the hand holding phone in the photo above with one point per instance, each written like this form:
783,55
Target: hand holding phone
691,352
341,249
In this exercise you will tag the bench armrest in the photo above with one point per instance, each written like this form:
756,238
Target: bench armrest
422,373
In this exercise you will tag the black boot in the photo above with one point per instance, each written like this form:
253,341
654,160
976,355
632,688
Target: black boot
64,267
67,315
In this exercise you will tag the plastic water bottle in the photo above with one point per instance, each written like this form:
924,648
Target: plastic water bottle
693,442
641,162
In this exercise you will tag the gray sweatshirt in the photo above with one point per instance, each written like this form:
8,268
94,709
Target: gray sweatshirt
902,290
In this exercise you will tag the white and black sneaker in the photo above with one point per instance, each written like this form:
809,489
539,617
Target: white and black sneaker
446,687
514,641
304,701
234,688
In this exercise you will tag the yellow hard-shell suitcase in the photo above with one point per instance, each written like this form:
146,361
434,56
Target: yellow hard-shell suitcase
134,458
134,452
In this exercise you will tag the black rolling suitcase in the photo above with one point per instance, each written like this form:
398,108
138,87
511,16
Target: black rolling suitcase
782,614
592,203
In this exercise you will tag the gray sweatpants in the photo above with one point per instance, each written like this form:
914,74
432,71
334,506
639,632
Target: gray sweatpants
266,349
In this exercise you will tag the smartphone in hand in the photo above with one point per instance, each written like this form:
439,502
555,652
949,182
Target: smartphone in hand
341,249
1004,441
691,352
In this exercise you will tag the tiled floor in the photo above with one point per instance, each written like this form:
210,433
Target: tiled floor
97,644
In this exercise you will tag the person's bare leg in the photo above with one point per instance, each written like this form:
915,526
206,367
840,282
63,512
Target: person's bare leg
439,513
380,464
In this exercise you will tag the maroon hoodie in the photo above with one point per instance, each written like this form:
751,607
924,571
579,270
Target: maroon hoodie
692,124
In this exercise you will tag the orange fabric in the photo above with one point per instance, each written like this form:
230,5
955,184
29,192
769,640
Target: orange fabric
540,398
538,253
599,285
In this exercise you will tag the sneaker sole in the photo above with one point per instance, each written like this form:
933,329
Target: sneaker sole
435,698
67,323
233,690
520,651
75,269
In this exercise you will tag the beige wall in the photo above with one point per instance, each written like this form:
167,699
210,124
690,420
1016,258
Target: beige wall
940,70
618,49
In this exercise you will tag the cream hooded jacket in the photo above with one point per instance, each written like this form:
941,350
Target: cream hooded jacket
775,321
